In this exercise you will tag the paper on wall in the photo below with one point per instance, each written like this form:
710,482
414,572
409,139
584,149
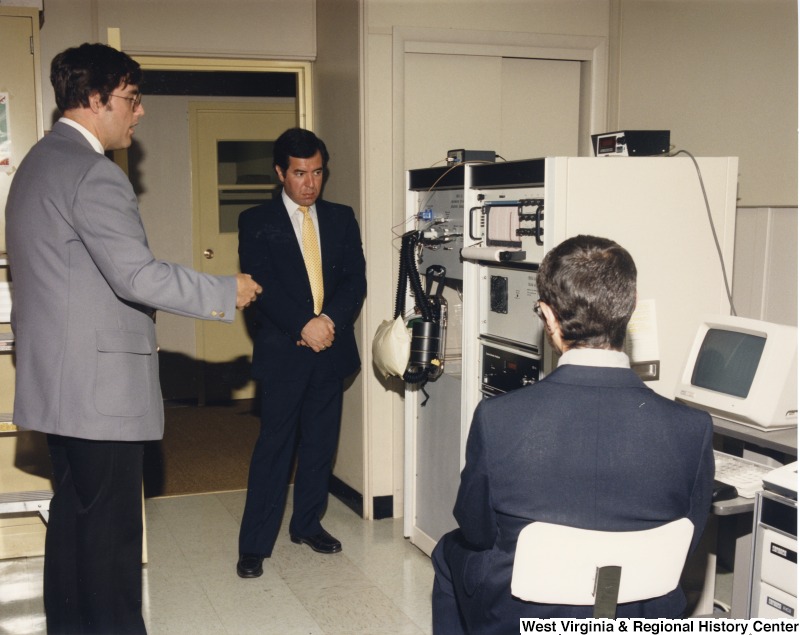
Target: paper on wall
5,136
641,343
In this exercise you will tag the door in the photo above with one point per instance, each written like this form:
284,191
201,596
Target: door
231,171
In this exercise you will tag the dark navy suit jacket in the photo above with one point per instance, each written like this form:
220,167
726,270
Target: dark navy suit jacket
269,251
586,447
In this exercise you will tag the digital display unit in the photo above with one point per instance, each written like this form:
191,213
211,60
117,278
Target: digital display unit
743,370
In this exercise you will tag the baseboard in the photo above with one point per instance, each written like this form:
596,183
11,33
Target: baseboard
382,506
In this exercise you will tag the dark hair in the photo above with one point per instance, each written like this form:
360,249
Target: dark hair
81,71
299,143
590,284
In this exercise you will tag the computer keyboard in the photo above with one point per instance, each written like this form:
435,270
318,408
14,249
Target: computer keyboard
746,476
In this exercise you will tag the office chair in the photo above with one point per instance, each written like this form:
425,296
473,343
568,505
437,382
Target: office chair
555,564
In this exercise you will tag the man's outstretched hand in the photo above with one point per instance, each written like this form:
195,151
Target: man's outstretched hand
247,290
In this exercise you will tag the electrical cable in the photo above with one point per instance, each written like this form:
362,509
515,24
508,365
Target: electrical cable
713,228
460,164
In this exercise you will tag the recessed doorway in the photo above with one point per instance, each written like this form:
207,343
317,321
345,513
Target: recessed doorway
164,171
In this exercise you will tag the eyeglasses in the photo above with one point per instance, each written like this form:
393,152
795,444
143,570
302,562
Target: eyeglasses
135,100
537,309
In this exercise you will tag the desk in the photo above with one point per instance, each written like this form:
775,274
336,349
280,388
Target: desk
777,440
740,510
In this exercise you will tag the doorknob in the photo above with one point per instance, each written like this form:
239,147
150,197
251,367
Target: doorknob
209,254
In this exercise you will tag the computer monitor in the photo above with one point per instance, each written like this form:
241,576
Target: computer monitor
743,370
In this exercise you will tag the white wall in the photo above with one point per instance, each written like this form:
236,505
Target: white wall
278,29
260,29
722,76
765,264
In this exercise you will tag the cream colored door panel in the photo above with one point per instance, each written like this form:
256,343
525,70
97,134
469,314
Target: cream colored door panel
231,171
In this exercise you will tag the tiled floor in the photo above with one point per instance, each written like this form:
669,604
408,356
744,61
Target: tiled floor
380,583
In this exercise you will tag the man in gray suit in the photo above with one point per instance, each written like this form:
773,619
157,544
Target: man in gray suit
86,288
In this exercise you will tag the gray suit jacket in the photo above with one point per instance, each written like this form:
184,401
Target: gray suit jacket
85,289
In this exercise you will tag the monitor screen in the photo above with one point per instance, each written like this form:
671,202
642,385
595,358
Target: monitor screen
727,361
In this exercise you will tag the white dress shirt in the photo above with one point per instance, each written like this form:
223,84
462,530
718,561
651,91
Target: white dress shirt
296,218
89,136
595,357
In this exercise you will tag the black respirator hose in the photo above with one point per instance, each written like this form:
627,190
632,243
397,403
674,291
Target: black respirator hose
402,279
408,271
421,300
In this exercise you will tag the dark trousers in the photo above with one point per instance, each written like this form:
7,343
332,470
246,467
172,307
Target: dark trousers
93,548
302,414
447,618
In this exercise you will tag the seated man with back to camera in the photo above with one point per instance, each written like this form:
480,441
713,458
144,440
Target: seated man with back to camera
589,446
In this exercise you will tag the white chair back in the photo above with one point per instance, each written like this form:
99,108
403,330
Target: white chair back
555,564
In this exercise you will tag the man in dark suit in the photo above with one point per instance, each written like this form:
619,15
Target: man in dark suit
86,288
589,446
307,252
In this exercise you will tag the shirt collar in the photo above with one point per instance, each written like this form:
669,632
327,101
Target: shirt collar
98,147
595,357
292,207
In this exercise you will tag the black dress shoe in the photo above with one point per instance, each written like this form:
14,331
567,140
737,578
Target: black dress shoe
249,565
322,542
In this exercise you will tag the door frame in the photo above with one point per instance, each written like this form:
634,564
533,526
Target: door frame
301,69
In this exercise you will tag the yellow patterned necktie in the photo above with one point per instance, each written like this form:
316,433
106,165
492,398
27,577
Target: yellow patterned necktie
313,259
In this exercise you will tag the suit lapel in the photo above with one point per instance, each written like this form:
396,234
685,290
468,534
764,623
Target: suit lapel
287,247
